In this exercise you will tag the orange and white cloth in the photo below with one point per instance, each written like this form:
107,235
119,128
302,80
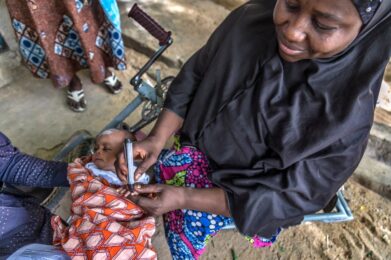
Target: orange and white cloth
104,224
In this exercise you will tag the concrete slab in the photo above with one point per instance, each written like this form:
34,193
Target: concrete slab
229,4
379,144
10,59
384,100
374,175
6,27
34,114
191,23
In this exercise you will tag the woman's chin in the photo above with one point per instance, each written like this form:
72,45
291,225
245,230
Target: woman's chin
290,58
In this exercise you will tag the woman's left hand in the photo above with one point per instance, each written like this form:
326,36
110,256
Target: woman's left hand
164,198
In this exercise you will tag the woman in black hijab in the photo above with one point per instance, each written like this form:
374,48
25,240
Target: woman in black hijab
281,104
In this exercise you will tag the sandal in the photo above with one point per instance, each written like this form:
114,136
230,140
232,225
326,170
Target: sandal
113,84
76,100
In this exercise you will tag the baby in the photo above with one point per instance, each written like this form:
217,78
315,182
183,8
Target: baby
107,145
100,197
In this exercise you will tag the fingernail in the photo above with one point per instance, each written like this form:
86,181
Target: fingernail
138,186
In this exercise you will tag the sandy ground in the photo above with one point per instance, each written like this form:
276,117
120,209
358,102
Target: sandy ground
368,236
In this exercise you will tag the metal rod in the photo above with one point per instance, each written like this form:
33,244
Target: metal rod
136,80
343,214
344,204
128,150
124,113
75,141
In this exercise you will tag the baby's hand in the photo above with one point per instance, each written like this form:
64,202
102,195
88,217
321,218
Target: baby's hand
126,193
135,196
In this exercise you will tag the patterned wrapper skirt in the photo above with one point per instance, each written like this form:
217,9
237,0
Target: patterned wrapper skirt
57,38
188,231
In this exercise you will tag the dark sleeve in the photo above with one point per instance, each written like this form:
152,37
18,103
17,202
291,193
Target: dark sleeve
17,168
261,202
182,89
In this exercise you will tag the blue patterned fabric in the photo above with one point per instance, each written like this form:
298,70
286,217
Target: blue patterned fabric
67,42
32,52
22,221
188,231
111,10
80,4
110,41
21,169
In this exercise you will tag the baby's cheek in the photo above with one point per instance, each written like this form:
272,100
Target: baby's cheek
99,164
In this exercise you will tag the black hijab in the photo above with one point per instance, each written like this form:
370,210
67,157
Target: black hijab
281,137
367,8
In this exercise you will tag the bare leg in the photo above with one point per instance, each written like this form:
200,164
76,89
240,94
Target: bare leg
75,95
108,73
75,84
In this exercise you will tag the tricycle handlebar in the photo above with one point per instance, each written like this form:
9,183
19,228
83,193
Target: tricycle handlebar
150,25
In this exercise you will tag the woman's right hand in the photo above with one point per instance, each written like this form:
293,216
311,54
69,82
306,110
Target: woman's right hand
146,151
149,149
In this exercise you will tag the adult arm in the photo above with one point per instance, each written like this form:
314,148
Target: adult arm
178,98
21,169
262,202
170,198
149,149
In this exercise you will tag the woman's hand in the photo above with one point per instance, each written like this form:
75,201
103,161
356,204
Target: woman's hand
158,199
149,149
146,151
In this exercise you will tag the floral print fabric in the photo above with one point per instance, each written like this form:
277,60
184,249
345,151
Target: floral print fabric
188,231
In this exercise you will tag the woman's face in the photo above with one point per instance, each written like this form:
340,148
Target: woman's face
310,29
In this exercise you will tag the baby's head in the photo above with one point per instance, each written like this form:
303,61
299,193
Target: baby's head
107,145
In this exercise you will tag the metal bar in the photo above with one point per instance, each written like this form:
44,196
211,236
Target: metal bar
140,124
124,113
136,80
344,204
326,217
343,214
58,194
75,141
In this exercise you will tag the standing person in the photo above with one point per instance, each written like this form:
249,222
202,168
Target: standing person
59,38
274,114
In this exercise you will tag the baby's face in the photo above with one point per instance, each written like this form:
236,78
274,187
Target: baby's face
106,149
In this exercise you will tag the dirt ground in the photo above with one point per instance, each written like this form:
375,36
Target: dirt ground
368,236
34,116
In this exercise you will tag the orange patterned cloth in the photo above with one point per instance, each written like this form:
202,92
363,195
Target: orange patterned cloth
104,224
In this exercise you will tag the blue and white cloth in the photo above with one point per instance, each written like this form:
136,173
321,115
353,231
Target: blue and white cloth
112,177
